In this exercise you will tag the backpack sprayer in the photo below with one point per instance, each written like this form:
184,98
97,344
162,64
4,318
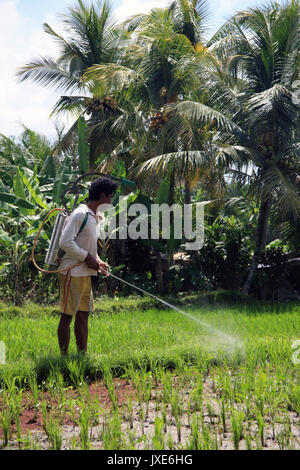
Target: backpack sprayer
53,249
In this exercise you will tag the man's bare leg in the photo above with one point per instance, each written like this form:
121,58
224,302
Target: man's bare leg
63,333
81,330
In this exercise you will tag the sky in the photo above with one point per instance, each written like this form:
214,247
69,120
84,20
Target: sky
22,39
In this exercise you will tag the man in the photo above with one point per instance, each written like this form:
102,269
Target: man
79,242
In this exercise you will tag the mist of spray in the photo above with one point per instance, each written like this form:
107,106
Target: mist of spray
228,338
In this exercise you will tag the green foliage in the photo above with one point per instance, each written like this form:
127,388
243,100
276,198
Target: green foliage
223,260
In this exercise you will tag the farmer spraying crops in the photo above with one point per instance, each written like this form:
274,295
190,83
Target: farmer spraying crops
79,243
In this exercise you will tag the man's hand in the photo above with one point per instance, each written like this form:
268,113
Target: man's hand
92,262
103,267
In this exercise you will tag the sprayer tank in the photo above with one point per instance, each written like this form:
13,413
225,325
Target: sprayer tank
51,257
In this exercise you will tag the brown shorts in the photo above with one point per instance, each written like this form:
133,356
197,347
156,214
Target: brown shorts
75,294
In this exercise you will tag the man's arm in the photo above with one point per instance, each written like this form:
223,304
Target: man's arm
67,240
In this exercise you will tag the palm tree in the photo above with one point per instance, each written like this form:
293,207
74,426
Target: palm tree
153,68
262,49
91,37
189,18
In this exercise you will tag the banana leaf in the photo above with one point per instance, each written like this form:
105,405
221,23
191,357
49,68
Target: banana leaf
34,192
15,201
63,177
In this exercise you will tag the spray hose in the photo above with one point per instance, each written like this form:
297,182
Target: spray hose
34,246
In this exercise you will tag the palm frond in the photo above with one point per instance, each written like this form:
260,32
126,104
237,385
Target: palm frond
203,114
45,71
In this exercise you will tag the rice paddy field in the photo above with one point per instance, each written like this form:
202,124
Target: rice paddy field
224,376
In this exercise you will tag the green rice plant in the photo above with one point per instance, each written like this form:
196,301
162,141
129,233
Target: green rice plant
287,432
164,415
143,382
109,384
175,402
281,439
83,423
15,404
260,405
74,444
261,427
260,378
129,414
196,397
75,368
158,440
141,415
6,420
29,443
194,442
53,431
189,413
157,398
223,414
178,427
71,410
211,412
170,443
293,396
237,419
176,410
132,439
248,442
166,378
112,435
201,437
95,411
34,393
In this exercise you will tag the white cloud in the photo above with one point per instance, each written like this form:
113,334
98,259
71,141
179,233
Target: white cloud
132,7
26,102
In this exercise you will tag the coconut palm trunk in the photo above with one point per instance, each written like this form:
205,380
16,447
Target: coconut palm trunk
261,237
187,192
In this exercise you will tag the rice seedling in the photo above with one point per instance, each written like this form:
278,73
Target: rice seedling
6,419
158,440
34,394
223,414
237,419
112,436
83,422
52,429
75,371
109,384
261,427
30,443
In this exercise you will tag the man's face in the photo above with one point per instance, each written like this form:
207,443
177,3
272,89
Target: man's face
104,200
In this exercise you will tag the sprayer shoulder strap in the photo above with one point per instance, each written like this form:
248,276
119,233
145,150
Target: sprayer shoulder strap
83,223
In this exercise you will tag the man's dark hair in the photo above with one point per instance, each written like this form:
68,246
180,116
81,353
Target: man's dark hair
101,185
